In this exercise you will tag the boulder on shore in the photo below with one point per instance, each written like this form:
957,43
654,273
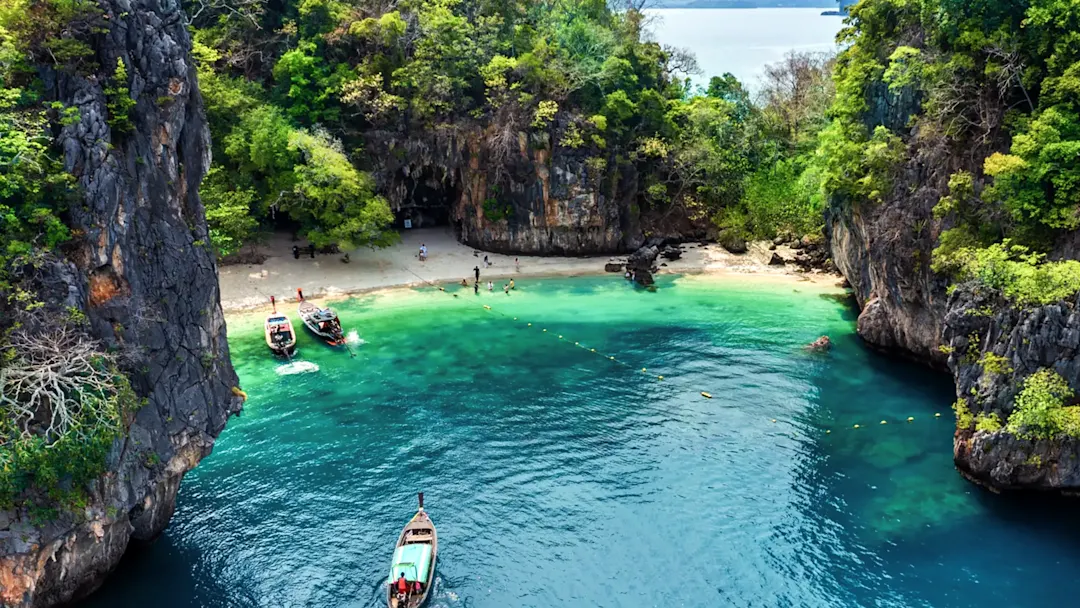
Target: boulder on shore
732,242
642,259
613,267
776,260
671,253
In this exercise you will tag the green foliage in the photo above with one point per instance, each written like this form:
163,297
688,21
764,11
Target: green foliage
496,211
228,211
995,364
34,188
118,100
1020,275
49,32
988,423
1040,411
781,198
964,418
545,112
336,202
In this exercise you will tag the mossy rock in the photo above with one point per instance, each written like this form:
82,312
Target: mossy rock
732,241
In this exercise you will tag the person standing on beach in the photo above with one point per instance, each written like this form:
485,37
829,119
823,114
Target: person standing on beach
476,287
517,265
295,252
311,250
476,271
487,264
423,252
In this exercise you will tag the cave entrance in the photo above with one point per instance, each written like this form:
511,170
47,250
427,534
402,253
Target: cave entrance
430,196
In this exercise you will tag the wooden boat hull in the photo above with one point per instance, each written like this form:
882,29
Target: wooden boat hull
279,334
312,316
419,530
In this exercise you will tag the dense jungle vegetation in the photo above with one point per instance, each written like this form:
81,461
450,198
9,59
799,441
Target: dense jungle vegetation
296,89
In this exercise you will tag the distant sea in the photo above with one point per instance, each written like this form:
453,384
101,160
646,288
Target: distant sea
743,41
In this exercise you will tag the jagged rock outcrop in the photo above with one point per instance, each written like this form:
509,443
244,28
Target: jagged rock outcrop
141,270
528,196
1027,340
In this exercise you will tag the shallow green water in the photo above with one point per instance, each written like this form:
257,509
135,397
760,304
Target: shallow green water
558,477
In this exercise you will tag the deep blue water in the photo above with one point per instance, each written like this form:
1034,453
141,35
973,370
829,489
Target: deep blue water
558,477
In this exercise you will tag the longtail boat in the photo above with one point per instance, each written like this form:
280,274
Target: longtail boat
323,322
414,558
279,333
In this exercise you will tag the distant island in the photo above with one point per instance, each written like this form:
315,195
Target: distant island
826,4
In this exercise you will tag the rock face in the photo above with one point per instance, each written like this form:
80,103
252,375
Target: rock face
1027,340
887,262
528,196
141,271
884,248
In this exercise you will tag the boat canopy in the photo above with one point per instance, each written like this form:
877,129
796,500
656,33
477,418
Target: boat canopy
324,314
414,561
277,320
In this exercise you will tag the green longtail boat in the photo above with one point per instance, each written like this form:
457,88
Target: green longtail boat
414,559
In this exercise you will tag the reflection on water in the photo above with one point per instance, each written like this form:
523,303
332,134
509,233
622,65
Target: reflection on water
558,477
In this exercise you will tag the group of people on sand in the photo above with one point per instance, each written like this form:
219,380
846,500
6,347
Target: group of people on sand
490,285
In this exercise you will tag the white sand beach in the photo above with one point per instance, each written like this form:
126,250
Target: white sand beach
249,286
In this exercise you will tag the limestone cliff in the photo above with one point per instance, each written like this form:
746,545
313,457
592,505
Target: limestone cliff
529,197
141,271
884,248
1026,340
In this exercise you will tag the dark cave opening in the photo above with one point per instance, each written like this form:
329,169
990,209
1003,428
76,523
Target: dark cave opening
429,198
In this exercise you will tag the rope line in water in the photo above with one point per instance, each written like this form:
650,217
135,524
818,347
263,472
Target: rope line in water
644,370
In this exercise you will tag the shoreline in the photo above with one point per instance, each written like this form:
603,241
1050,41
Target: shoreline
248,287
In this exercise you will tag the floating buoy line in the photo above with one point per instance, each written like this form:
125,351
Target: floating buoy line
643,370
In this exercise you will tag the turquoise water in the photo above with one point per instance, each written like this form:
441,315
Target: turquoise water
558,477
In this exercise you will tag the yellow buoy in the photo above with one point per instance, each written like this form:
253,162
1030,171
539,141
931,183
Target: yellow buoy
530,324
592,350
855,427
827,431
706,395
612,358
515,318
577,343
774,419
545,330
910,418
644,370
937,415
560,337
659,377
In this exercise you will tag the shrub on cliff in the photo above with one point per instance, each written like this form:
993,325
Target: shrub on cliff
1020,275
1040,411
62,404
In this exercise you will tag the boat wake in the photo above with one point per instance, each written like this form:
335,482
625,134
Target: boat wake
353,338
296,367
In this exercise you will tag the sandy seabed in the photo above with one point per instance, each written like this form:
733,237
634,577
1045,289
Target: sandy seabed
249,286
